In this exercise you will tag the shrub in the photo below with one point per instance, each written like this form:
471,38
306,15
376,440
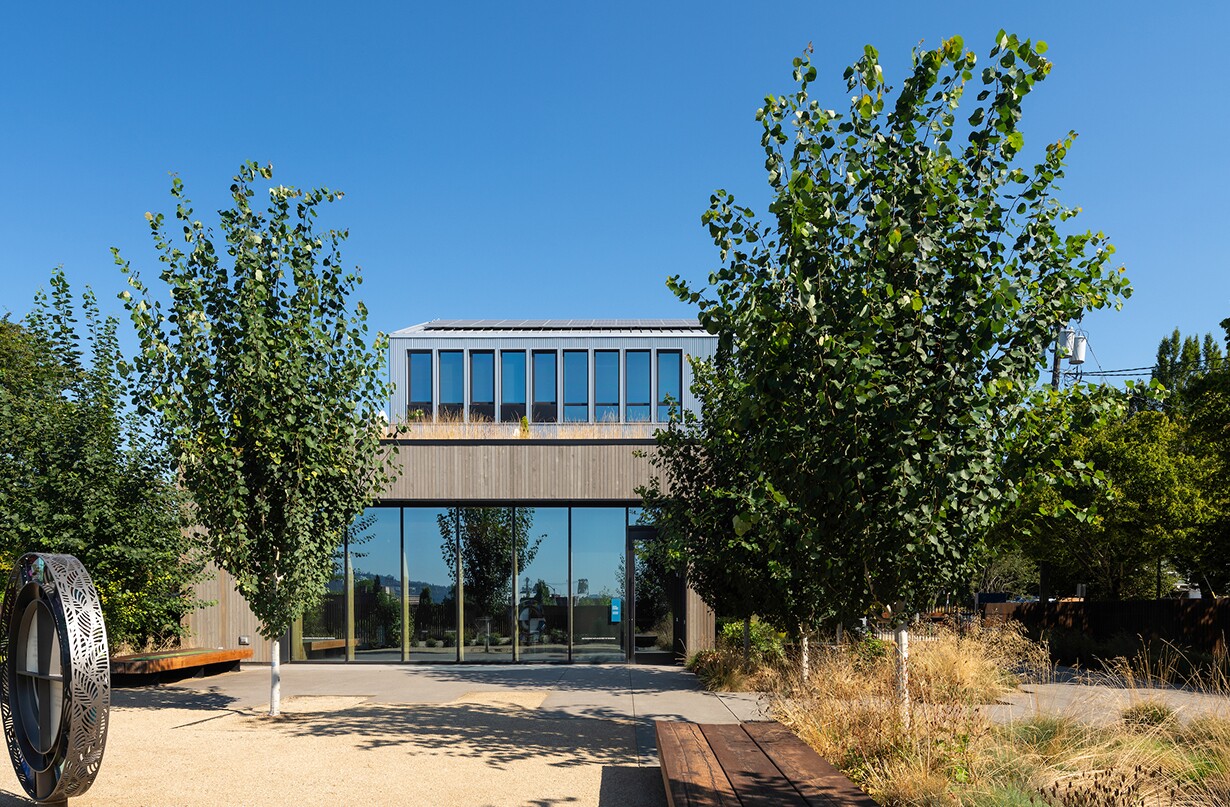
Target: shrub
766,645
720,670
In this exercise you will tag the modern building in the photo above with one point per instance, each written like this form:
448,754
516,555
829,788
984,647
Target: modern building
514,530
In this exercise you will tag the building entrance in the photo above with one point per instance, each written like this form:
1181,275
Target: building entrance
655,602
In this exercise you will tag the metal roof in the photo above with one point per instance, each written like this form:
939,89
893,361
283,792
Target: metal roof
447,326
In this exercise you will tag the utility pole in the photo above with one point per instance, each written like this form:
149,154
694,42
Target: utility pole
1055,370
1044,568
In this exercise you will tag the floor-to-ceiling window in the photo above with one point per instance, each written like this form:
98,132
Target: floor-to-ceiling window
374,543
537,584
418,369
491,541
542,601
431,576
546,398
482,385
599,539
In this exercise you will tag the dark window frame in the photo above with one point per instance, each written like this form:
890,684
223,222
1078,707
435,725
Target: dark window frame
513,411
608,405
629,404
569,404
427,406
482,409
544,411
452,408
663,409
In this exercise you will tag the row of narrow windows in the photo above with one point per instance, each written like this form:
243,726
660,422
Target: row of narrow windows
444,394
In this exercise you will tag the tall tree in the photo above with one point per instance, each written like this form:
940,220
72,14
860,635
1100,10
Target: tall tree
1205,557
80,473
880,337
268,389
1181,362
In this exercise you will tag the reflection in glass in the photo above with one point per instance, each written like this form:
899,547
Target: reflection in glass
606,386
598,544
433,602
576,386
452,384
419,405
636,393
542,607
488,537
321,632
376,564
545,378
670,383
482,385
512,385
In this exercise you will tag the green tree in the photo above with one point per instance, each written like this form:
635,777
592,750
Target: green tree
1153,502
488,536
879,338
80,473
1205,556
1181,362
268,390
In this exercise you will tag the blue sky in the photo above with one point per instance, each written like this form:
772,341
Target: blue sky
553,159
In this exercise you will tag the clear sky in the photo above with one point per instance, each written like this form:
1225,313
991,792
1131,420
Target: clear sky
549,159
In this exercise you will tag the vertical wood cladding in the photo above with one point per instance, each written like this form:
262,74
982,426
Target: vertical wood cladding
520,470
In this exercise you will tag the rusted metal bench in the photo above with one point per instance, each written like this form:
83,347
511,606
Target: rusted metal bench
748,765
209,659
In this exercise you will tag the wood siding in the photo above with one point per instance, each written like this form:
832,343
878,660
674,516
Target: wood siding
701,631
221,624
520,471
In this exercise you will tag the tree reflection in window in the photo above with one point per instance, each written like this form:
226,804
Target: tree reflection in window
488,536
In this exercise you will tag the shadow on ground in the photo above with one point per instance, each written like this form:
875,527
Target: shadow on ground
160,697
496,735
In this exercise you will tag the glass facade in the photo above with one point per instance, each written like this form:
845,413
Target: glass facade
636,390
576,386
545,386
512,385
536,584
452,384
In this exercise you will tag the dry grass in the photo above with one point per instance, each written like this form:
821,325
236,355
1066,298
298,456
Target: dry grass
950,753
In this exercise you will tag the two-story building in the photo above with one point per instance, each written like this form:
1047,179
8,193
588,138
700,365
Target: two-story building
512,531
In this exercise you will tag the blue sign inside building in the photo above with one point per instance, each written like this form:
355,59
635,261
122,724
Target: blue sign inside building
616,609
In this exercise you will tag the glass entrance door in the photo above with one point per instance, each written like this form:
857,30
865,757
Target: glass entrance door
652,601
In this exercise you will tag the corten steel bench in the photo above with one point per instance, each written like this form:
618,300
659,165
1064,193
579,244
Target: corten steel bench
208,659
754,764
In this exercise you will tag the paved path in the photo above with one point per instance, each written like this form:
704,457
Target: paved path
390,735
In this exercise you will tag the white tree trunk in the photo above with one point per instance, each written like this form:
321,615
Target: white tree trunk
275,678
747,640
902,638
806,658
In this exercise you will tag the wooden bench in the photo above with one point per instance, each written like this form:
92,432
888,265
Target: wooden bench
215,659
748,765
323,646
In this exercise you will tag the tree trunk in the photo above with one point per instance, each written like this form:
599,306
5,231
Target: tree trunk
747,640
839,631
275,678
902,638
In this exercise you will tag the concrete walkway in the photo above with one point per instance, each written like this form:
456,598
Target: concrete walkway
390,734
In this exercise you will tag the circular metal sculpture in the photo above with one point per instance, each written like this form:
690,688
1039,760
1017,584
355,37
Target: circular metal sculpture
55,693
